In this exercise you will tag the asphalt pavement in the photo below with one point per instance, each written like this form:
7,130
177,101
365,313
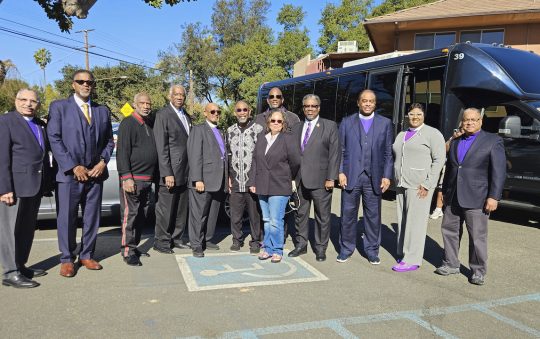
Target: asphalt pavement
235,296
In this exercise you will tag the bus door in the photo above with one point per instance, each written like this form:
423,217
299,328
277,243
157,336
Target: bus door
386,83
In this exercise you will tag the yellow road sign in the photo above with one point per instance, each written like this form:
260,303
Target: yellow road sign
126,110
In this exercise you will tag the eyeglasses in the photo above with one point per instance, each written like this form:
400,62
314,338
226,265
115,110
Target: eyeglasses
277,96
276,121
87,82
30,101
471,120
215,112
311,106
242,110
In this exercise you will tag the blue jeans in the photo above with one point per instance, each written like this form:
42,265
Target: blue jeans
273,211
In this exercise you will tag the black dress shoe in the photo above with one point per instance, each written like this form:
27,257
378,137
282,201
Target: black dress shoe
163,250
20,281
133,260
297,252
182,246
141,254
32,272
211,246
198,253
320,257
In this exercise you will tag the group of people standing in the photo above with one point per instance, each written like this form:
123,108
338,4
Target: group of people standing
259,162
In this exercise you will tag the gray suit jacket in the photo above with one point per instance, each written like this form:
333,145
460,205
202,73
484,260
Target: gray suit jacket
321,156
419,160
206,163
171,144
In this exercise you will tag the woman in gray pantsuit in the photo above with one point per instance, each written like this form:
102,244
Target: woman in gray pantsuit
419,154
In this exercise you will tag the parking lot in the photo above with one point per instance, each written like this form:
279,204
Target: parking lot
234,295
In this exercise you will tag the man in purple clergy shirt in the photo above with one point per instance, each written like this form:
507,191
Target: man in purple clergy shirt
207,158
472,186
364,173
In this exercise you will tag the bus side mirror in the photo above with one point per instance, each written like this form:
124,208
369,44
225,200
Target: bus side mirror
510,127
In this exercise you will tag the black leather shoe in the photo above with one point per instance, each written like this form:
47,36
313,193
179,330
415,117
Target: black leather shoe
133,260
297,252
141,254
198,253
20,281
182,246
211,246
320,256
163,250
32,272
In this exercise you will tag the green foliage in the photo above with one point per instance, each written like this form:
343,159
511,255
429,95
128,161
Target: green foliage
46,95
8,91
390,6
344,22
55,10
290,17
42,57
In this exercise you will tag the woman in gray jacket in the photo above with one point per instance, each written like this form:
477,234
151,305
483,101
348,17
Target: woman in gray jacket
419,155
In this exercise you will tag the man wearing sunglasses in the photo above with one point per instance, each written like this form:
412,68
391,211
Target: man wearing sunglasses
321,154
275,100
208,168
171,131
80,134
242,138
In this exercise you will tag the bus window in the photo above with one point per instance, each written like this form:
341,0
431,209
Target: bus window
300,90
349,86
288,94
384,86
493,115
326,90
427,91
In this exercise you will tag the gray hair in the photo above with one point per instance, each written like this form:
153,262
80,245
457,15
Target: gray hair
313,97
175,86
138,95
473,109
27,90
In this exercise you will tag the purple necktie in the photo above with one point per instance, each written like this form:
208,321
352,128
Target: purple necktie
409,134
35,130
219,140
306,135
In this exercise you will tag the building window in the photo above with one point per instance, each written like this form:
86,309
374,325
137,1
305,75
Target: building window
434,40
491,36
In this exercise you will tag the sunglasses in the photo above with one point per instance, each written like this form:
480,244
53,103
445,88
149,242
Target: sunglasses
82,82
311,106
276,121
215,111
277,96
242,110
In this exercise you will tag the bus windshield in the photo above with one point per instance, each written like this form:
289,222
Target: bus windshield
523,67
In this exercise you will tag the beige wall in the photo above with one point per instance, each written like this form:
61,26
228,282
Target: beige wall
523,36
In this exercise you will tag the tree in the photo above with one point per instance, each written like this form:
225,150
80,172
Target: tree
42,58
8,91
390,6
58,10
5,67
344,22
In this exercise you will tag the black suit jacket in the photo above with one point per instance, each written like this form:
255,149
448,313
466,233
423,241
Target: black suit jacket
24,166
206,163
275,170
171,144
322,154
481,175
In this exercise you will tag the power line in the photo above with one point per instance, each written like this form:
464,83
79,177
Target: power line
26,35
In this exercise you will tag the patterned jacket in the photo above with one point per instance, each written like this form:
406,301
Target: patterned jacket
241,145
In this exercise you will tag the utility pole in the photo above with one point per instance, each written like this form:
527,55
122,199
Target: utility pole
86,46
191,94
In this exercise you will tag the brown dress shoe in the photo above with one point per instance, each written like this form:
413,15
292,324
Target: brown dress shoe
90,264
67,269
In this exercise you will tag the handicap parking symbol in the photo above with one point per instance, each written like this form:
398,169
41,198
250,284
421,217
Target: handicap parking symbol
235,270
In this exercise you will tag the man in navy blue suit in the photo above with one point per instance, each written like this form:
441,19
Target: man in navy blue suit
80,134
365,172
25,171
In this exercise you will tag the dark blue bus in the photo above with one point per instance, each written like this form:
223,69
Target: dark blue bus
502,81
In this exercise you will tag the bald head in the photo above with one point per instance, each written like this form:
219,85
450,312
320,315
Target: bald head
212,112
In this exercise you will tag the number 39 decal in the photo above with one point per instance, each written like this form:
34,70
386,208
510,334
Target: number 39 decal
459,56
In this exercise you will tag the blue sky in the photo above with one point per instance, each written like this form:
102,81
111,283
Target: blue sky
138,32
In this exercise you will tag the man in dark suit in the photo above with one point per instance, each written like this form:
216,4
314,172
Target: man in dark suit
275,100
80,134
365,172
321,156
472,186
208,179
171,131
25,168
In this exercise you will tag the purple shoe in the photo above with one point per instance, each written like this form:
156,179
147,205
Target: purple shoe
403,267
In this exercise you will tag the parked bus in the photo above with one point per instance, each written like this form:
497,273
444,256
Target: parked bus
503,82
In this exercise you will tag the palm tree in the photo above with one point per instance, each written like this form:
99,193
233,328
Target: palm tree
43,58
5,66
